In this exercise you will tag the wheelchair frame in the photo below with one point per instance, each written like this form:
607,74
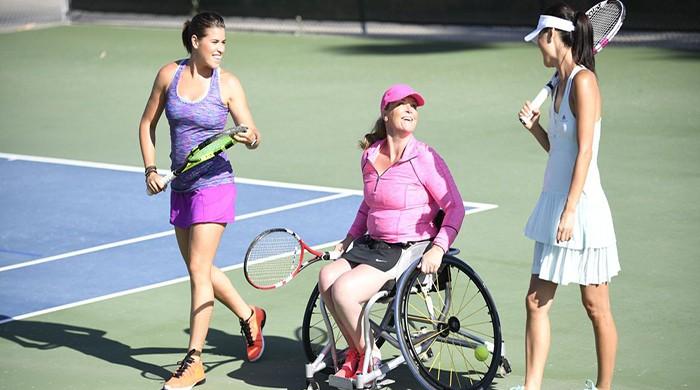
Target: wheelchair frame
393,328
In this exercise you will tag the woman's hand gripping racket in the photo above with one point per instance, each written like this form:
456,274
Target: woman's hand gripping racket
276,256
206,150
606,18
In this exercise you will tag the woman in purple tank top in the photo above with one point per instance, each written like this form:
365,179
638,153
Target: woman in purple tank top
197,97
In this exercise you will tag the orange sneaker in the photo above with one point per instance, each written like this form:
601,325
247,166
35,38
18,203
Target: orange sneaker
251,329
352,359
188,375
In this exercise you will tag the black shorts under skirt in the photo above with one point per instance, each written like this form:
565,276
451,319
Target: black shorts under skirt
379,254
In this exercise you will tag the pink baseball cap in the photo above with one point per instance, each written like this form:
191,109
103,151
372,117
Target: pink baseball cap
397,92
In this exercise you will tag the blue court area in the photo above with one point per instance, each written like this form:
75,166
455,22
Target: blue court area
72,232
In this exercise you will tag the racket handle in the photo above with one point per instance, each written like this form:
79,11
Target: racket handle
332,255
164,181
235,130
536,104
541,97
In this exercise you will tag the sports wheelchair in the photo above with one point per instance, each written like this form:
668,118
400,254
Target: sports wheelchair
445,326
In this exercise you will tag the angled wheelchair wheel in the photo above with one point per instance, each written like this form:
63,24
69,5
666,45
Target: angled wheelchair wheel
314,335
448,327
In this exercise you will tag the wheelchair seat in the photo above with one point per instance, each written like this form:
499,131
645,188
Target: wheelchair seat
390,286
435,320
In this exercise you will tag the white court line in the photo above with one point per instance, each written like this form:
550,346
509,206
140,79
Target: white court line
478,207
85,251
127,292
166,233
77,163
127,168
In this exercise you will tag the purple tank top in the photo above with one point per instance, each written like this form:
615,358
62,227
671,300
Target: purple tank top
191,122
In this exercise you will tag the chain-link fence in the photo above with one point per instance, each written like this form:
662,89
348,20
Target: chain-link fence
25,14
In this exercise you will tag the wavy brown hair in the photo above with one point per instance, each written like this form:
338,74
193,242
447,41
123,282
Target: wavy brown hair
378,132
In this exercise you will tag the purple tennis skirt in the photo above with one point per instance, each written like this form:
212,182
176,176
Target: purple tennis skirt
215,204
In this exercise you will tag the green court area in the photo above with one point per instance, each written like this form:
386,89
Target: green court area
78,92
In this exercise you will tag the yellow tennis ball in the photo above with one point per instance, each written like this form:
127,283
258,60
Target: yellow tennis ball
481,353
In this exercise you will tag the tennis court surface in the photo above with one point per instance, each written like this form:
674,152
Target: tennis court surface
93,291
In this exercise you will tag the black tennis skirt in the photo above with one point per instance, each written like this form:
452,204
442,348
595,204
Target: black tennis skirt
379,254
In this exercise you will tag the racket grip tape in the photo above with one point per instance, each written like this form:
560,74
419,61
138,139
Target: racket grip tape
164,181
540,98
536,103
332,255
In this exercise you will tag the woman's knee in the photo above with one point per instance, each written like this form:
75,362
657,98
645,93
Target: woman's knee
200,269
330,273
536,304
326,277
343,292
597,309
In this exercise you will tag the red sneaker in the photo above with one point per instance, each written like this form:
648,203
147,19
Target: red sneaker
251,329
347,370
374,365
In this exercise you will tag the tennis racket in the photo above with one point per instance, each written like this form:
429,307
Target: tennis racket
276,256
206,150
606,18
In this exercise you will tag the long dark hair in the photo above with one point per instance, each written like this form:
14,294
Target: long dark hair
198,25
581,39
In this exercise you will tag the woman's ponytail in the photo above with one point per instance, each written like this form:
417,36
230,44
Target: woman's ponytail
378,132
581,39
582,45
186,36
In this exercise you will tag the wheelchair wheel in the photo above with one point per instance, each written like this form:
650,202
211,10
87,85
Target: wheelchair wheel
314,335
448,327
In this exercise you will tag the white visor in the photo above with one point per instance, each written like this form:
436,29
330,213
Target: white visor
547,21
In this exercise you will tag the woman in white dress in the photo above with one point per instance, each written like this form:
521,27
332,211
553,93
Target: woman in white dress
571,223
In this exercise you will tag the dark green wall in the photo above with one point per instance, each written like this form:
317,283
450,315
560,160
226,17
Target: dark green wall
641,14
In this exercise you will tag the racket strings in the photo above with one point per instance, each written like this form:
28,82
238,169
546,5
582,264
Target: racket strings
217,145
605,21
273,258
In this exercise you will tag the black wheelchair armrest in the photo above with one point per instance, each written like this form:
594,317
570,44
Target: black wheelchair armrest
452,252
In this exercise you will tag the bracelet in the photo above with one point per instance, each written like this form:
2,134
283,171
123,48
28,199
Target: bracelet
150,169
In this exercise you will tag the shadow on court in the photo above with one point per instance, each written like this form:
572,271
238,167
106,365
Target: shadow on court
407,47
282,365
92,342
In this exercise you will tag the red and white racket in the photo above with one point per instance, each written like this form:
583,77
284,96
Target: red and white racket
276,256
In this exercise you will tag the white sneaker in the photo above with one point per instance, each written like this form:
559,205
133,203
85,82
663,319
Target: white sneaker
590,385
518,388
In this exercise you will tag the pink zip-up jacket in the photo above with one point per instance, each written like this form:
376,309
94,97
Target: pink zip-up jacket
400,205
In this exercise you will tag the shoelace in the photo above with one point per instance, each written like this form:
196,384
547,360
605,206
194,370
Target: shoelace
245,331
184,364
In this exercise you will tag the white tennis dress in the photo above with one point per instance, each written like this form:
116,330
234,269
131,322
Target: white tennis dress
590,257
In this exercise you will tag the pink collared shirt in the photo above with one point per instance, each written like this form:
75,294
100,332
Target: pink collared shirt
400,205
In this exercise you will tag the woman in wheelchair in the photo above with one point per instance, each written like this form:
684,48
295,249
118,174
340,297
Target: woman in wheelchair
406,185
